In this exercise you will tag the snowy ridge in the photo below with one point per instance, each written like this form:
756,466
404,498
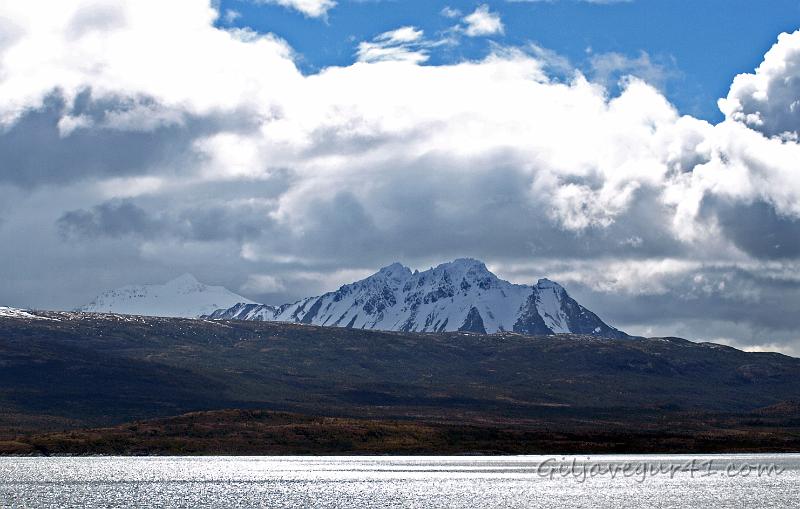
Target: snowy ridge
183,297
462,295
6,312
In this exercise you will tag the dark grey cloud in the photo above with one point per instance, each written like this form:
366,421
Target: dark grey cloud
206,222
719,293
218,222
35,152
340,226
427,208
758,229
742,306
112,219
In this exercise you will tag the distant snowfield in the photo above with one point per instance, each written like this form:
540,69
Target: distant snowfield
15,313
6,312
183,297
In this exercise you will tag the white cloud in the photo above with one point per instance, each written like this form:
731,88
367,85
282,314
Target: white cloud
310,8
588,155
403,44
483,22
450,12
769,99
166,51
607,68
231,16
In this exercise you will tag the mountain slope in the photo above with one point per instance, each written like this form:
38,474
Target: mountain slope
462,295
183,297
100,369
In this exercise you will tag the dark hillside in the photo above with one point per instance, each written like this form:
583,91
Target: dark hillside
92,370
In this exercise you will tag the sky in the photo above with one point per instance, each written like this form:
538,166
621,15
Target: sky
645,154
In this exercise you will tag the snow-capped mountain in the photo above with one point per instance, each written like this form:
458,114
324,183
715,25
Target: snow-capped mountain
183,297
457,296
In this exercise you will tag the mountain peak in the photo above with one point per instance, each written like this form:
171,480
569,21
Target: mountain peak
183,296
546,283
464,265
395,268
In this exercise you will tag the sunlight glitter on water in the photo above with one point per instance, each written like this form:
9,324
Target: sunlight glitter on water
338,482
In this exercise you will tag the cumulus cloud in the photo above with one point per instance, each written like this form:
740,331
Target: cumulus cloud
167,52
483,22
769,99
141,136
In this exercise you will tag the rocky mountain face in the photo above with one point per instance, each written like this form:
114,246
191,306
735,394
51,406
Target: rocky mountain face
183,297
462,295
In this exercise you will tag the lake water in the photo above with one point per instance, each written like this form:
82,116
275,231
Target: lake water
724,481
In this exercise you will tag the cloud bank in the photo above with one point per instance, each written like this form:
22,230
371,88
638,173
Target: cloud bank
139,141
